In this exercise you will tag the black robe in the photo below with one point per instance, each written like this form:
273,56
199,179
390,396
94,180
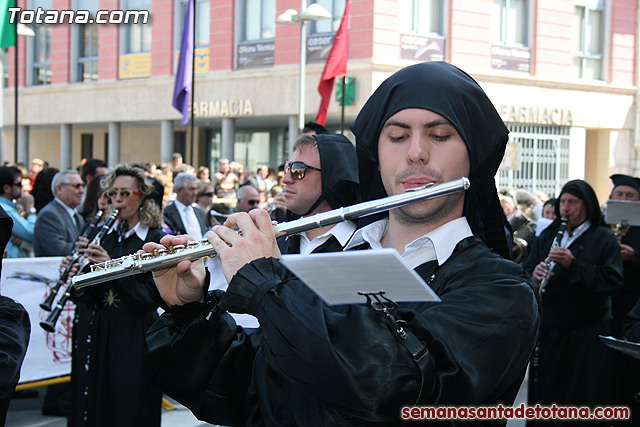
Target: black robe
627,368
109,386
310,364
573,367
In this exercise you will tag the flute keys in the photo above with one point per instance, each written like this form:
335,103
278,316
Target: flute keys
177,248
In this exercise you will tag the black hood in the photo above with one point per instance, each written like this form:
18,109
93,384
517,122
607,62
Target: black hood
583,191
339,164
448,91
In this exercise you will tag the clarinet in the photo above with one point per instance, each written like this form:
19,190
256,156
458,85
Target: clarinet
75,256
49,324
551,264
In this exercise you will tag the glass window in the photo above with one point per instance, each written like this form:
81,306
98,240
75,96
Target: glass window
336,9
510,22
41,59
137,37
202,22
588,45
87,44
421,17
259,20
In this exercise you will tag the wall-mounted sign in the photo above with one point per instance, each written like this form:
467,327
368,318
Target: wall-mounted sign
537,115
318,48
223,108
135,65
201,59
421,48
511,58
258,54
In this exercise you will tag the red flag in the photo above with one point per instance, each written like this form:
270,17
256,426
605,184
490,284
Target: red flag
336,65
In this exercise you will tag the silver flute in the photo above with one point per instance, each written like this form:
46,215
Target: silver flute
139,263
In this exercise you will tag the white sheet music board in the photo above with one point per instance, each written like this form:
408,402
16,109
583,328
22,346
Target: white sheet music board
622,212
338,276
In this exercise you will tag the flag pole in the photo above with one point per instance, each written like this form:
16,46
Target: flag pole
193,82
15,97
344,95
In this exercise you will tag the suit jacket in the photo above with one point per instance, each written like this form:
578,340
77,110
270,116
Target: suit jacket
55,232
174,221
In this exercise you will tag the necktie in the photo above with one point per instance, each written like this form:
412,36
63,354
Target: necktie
78,221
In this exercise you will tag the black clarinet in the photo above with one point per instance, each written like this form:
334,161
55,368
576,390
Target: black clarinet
551,264
49,324
75,256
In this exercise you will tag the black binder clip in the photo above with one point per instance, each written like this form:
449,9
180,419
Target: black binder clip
377,301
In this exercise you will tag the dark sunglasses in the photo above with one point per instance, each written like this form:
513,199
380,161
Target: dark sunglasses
298,169
253,202
77,186
112,192
210,194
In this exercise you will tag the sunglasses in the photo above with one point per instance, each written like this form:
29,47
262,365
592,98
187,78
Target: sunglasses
77,186
112,192
298,169
210,194
253,202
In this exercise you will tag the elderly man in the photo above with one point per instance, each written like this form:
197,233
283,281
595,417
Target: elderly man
58,225
248,198
10,190
184,216
310,363
573,367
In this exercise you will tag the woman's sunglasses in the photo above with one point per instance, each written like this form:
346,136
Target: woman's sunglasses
124,193
298,169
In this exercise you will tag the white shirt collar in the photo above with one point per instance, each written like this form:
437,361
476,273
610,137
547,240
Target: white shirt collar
140,230
438,244
579,230
181,206
341,231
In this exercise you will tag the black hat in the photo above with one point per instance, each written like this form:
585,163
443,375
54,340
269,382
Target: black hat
627,180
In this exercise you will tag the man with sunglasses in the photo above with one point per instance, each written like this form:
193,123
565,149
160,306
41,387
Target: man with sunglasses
184,216
58,225
320,176
310,363
248,198
56,231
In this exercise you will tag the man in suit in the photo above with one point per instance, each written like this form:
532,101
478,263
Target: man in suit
183,216
57,228
58,225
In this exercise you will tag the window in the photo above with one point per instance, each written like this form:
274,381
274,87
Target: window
336,9
202,23
259,20
588,40
41,58
510,22
137,37
421,17
87,44
86,143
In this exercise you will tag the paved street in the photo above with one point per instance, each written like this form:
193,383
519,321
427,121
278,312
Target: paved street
27,413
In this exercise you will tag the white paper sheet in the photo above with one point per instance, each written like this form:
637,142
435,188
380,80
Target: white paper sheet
338,276
622,212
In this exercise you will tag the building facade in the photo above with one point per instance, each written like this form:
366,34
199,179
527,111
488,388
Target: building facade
562,73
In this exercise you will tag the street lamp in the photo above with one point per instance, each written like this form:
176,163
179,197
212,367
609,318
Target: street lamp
314,12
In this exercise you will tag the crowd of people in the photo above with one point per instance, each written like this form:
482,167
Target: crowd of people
242,341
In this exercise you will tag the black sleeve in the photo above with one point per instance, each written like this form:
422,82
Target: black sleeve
15,328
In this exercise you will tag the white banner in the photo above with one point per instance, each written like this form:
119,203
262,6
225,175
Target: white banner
29,281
